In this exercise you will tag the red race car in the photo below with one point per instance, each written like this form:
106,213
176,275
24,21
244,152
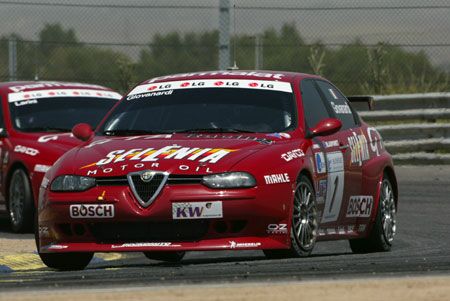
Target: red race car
225,160
35,123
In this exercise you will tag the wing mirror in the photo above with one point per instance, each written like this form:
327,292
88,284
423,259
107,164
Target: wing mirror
82,131
325,127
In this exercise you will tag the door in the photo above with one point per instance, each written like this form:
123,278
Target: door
351,143
327,156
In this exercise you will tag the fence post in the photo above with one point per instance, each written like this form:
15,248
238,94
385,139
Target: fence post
12,58
258,53
224,34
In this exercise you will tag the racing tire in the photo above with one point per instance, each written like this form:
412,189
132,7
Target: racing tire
66,261
382,234
165,256
20,202
61,261
304,223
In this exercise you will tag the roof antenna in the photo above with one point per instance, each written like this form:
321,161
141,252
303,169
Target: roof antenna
234,67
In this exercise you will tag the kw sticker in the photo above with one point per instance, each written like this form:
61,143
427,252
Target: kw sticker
197,210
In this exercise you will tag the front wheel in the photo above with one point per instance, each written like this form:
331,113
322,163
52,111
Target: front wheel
61,261
165,256
382,234
20,202
66,261
304,223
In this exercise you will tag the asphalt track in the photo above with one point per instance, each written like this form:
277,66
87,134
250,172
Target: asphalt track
422,247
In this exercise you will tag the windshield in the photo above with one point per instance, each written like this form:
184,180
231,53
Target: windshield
203,109
58,114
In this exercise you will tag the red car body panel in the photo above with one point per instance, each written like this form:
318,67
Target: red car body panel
35,152
252,218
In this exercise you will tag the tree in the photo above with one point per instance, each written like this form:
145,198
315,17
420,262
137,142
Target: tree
53,36
173,53
356,68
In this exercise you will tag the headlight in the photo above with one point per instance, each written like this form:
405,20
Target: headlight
230,180
72,183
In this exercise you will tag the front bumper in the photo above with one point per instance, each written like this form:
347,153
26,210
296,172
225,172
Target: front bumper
247,222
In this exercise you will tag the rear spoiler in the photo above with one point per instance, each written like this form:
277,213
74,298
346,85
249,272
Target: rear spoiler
360,98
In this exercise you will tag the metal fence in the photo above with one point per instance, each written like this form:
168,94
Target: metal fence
377,46
415,127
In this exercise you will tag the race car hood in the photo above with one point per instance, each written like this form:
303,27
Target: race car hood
47,147
176,154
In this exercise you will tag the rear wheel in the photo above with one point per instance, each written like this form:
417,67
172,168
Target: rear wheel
165,256
382,234
304,223
20,202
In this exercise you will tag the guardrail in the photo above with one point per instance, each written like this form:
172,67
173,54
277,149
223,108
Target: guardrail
415,127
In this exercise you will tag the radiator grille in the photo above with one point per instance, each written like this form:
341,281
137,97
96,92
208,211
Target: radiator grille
146,185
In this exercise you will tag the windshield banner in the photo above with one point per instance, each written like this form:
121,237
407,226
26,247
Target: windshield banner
214,83
19,96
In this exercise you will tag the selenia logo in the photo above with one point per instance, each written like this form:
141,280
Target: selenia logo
176,152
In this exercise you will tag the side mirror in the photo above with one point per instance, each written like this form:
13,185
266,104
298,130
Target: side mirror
82,131
325,127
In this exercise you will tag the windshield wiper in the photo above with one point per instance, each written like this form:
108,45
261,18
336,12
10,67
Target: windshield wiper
213,130
130,132
46,129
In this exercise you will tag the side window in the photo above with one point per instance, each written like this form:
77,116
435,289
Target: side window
313,105
338,103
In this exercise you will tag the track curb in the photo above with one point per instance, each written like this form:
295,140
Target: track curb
10,263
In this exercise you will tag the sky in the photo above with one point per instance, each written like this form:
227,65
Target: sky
329,21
